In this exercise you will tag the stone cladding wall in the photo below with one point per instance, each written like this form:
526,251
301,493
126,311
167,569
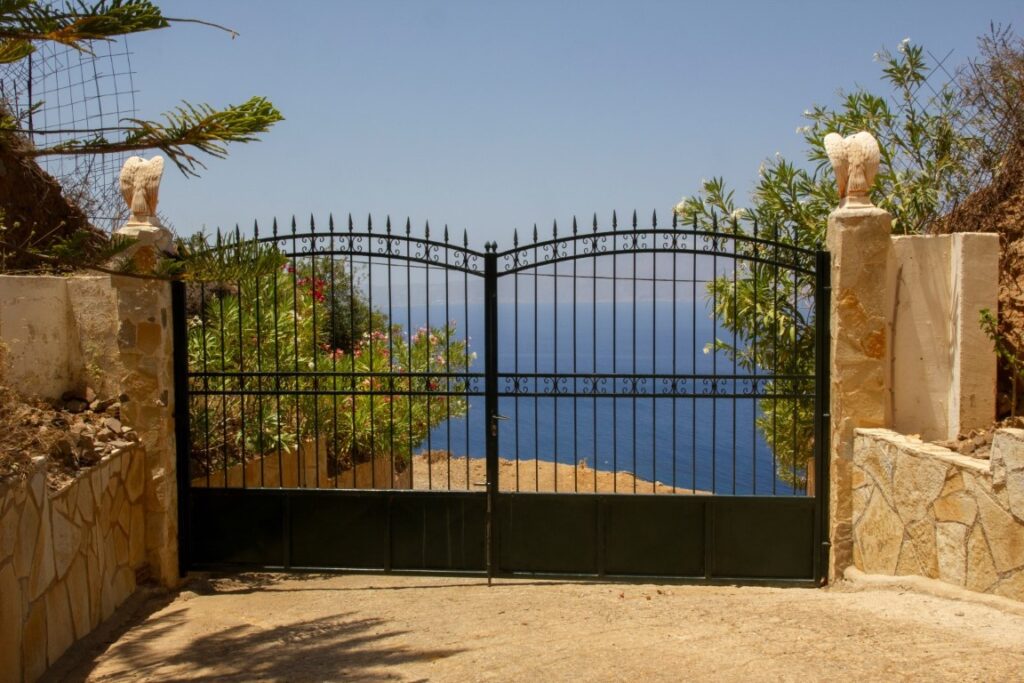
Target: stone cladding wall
922,509
67,559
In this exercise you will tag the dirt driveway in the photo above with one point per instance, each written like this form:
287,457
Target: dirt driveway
343,628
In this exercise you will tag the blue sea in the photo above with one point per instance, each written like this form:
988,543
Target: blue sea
707,444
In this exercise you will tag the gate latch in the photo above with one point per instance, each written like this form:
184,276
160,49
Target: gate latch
494,422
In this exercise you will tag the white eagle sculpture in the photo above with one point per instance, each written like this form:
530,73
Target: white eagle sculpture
855,160
140,186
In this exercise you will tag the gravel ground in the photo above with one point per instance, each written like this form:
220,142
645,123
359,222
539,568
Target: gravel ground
263,627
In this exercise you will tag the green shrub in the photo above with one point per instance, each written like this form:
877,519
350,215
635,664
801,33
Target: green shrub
288,360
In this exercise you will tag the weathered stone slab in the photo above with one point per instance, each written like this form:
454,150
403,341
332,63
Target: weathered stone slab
981,571
956,507
78,594
951,552
66,540
1005,535
43,570
27,535
881,534
60,631
33,642
10,625
916,484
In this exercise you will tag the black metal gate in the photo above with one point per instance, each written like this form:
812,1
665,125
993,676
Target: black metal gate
645,402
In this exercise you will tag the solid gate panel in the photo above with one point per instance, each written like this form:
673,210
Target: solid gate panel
236,527
654,535
438,531
339,529
762,538
548,533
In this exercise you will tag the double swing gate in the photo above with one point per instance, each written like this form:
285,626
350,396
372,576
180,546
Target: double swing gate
629,401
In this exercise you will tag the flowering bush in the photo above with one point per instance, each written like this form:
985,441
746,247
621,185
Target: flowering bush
275,374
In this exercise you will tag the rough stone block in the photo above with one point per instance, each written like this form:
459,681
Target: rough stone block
1005,535
126,335
123,586
951,549
86,503
954,483
921,535
981,572
121,547
1009,443
78,592
95,574
33,642
43,568
96,484
1011,586
60,631
916,484
909,563
136,480
881,536
9,519
148,337
66,541
1015,493
27,535
10,625
137,536
956,507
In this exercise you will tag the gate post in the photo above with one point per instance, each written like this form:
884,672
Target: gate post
491,398
860,243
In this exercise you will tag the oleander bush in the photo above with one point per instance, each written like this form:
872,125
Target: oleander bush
300,356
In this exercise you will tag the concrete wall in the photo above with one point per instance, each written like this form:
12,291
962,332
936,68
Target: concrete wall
943,367
35,330
924,510
67,559
59,334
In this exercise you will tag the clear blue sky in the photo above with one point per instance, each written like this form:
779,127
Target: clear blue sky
493,116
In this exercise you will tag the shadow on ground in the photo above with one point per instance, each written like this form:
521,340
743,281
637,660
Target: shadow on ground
336,647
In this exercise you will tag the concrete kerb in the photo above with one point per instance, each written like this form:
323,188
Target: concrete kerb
855,579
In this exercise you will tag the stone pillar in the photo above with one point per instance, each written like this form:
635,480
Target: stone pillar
145,340
860,243
147,354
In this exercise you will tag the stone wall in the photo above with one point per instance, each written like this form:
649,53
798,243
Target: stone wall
113,334
925,510
67,559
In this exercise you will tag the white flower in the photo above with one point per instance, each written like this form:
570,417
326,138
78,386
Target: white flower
903,45
738,214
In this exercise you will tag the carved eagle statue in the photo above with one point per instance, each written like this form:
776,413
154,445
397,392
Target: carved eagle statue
855,160
140,186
